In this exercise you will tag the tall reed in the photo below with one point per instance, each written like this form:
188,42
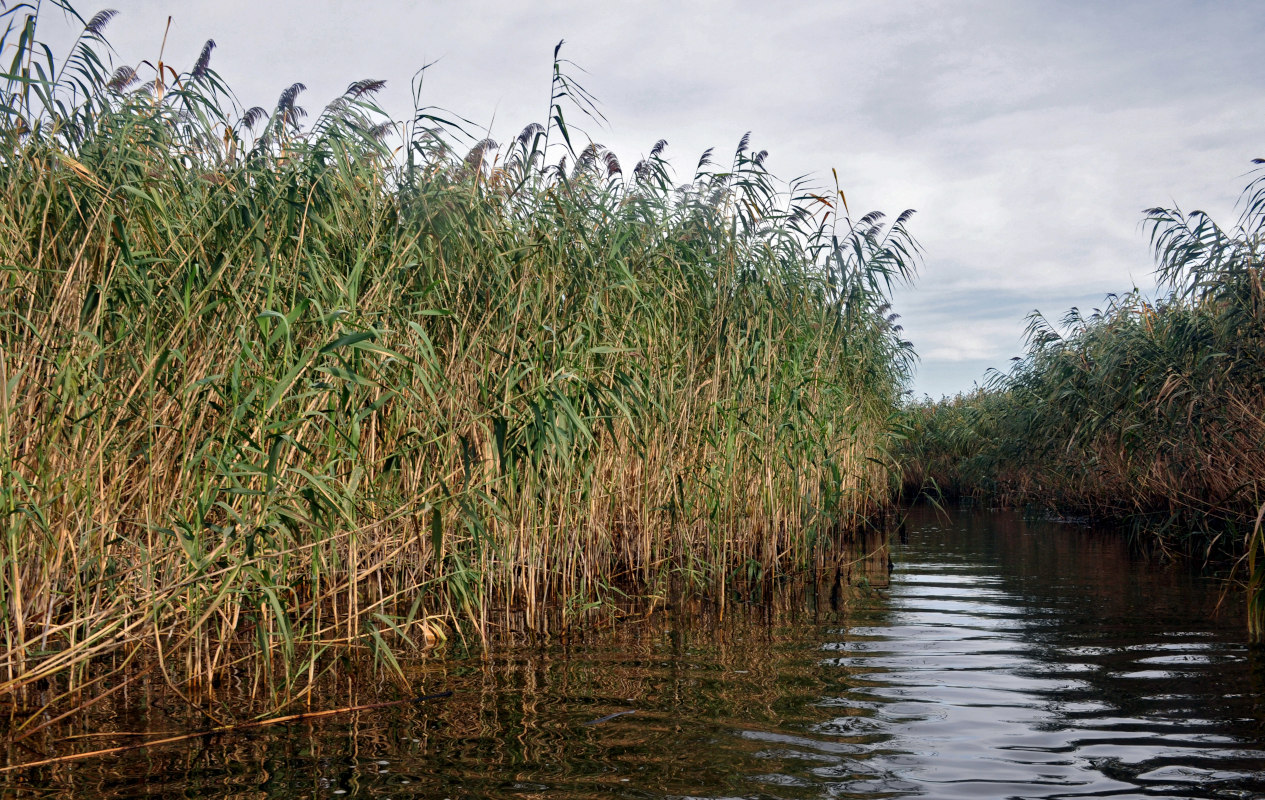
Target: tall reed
270,389
1150,411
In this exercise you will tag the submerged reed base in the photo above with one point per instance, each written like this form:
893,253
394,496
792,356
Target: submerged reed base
170,727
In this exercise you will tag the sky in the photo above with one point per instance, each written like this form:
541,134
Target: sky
1028,136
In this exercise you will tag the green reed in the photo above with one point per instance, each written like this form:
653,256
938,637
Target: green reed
1148,411
270,390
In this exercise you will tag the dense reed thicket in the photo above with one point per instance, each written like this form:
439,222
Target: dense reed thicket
269,389
1151,411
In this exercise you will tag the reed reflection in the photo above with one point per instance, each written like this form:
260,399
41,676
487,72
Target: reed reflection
999,658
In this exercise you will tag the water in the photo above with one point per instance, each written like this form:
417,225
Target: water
1004,659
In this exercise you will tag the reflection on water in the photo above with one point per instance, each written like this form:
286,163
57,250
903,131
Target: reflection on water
1004,659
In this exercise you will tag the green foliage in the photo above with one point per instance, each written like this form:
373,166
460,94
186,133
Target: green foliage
266,393
1148,411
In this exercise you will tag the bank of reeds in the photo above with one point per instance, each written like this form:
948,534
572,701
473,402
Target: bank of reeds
271,388
1151,411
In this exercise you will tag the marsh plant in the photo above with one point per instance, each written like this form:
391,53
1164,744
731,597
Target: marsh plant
1151,411
277,386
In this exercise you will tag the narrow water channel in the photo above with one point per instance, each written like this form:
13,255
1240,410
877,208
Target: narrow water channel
1003,659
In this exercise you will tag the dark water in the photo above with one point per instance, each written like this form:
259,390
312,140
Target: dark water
1005,659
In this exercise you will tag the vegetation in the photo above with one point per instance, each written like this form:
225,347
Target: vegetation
1152,411
270,391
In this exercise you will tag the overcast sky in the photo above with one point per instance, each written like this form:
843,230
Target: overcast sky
1029,136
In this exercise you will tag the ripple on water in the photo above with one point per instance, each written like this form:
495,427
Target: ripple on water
1004,660
968,689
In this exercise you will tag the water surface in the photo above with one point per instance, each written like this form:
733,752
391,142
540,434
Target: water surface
1000,659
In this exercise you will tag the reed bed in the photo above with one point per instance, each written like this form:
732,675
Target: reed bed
1150,411
275,391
